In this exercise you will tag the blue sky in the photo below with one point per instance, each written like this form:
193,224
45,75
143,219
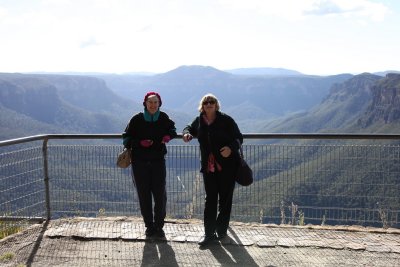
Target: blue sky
119,36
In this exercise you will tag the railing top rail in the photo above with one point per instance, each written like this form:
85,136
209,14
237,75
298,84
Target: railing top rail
58,136
320,136
22,140
245,135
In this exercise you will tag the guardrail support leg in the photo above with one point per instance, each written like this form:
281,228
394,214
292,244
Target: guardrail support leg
46,177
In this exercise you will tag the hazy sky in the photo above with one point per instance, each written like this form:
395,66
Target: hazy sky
314,37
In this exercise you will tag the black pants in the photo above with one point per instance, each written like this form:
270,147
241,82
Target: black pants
219,187
150,180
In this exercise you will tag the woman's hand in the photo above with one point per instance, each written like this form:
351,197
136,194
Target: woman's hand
146,143
225,151
166,139
187,137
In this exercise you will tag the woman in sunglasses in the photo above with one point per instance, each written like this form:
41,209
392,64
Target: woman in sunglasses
217,134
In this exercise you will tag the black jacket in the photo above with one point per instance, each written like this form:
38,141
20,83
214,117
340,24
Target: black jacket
139,129
222,132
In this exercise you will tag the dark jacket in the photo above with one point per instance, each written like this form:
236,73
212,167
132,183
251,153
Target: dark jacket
140,129
222,132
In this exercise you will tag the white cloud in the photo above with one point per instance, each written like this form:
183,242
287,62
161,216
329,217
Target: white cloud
321,8
357,8
91,41
299,9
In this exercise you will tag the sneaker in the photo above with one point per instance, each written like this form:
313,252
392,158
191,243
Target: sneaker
207,239
150,231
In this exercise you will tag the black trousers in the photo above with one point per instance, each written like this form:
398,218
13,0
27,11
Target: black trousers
150,180
219,187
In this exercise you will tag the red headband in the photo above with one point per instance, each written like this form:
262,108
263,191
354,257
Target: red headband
150,94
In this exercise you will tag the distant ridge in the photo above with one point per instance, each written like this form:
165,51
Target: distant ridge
194,72
383,73
264,71
193,69
139,73
259,71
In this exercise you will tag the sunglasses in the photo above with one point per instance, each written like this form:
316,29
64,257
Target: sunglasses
211,102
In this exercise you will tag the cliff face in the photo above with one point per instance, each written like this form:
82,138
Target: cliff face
32,97
344,105
385,105
56,103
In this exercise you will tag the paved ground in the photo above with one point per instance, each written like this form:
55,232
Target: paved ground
120,242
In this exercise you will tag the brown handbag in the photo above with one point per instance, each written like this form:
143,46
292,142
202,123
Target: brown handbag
124,158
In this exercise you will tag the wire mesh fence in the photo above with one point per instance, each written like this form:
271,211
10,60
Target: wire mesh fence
324,184
297,182
22,191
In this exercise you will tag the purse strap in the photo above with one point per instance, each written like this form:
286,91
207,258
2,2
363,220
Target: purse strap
240,149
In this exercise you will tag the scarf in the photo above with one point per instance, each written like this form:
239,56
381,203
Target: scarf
150,118
212,163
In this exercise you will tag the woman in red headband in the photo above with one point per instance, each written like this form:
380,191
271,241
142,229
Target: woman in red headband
146,134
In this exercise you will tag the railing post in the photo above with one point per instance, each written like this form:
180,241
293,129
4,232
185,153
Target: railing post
46,177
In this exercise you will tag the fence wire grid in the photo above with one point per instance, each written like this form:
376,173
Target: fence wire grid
296,183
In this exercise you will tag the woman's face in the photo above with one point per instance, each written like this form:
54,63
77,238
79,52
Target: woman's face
209,105
152,104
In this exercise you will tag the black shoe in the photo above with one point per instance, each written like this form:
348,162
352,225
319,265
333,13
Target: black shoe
221,236
150,231
207,239
160,233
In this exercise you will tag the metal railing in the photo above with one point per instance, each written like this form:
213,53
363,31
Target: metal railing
299,179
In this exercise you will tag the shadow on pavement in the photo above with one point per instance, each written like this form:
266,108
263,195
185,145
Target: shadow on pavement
37,244
158,254
232,255
229,254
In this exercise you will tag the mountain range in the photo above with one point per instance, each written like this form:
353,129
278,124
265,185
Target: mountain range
270,95
285,102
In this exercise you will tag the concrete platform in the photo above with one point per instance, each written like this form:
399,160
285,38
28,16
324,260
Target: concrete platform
120,241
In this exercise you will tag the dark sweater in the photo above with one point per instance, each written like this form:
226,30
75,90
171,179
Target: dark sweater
140,129
222,132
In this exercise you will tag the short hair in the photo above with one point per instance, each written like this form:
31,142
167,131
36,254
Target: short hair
209,96
152,94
